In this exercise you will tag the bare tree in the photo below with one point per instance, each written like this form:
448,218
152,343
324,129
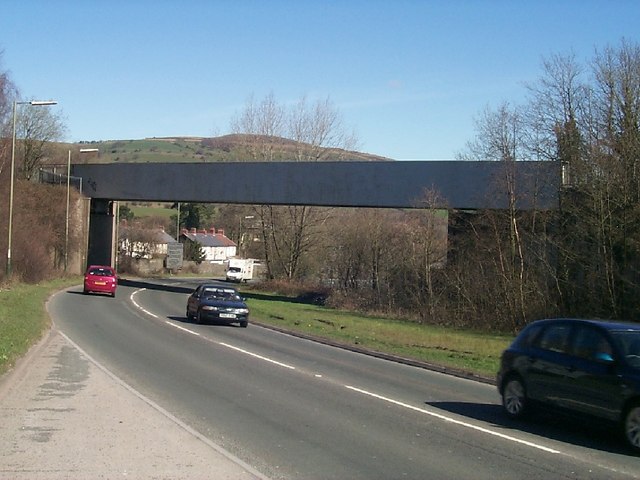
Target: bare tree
36,129
362,256
8,93
616,181
318,130
288,232
499,135
589,252
504,135
427,237
262,123
558,106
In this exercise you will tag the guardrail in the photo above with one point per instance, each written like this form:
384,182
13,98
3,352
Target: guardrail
55,178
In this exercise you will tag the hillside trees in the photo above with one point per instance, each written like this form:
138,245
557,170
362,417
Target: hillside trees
388,260
501,235
612,189
507,267
593,121
360,256
582,260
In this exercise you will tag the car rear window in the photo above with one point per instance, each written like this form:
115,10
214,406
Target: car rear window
590,344
528,335
554,338
102,272
226,293
629,343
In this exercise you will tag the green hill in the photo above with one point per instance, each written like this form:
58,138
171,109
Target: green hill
227,148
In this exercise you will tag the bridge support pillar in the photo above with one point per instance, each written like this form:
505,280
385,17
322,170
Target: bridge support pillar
102,232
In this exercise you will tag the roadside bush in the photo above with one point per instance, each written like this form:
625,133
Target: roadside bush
31,260
38,231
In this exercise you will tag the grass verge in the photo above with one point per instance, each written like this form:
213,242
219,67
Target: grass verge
473,352
23,319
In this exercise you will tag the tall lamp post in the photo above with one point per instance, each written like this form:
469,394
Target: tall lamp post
13,166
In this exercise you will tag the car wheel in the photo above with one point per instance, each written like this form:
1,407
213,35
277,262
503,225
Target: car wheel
514,397
632,426
244,324
199,317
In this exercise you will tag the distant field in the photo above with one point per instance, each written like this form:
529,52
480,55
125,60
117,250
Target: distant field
156,150
139,211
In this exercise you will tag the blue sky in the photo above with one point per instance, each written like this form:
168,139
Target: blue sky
408,76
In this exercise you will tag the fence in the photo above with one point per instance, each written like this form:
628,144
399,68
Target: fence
51,176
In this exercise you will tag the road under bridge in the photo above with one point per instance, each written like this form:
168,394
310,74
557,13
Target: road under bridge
454,185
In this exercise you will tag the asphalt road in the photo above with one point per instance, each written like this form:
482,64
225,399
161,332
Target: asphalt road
296,409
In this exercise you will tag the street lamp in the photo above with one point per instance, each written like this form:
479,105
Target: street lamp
66,229
35,103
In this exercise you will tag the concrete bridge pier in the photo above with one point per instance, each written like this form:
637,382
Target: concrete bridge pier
102,232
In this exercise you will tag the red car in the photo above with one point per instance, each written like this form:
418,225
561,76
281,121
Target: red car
100,279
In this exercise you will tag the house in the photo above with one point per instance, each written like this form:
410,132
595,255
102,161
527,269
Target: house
215,245
137,242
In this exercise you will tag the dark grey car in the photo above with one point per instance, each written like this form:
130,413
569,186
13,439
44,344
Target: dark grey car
211,303
589,367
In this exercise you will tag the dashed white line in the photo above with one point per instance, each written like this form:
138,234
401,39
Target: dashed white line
454,421
246,352
182,328
359,390
266,359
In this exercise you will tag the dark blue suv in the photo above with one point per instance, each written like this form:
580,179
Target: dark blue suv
589,367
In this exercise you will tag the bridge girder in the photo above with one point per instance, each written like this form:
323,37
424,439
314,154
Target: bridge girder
452,184
459,184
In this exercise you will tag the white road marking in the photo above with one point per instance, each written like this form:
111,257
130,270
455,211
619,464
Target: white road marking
168,322
266,359
166,413
454,421
140,306
359,390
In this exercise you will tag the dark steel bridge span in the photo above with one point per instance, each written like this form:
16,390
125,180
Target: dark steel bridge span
453,184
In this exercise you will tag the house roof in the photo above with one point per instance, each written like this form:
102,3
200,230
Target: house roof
209,239
158,235
164,237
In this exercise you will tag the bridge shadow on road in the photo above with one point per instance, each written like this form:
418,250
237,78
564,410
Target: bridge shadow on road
149,285
316,298
553,425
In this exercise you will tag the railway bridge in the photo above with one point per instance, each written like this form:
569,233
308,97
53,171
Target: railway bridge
458,185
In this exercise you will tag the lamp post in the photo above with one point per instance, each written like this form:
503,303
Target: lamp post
13,166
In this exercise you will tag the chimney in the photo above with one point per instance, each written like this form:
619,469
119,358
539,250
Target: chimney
193,230
184,231
212,231
221,232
